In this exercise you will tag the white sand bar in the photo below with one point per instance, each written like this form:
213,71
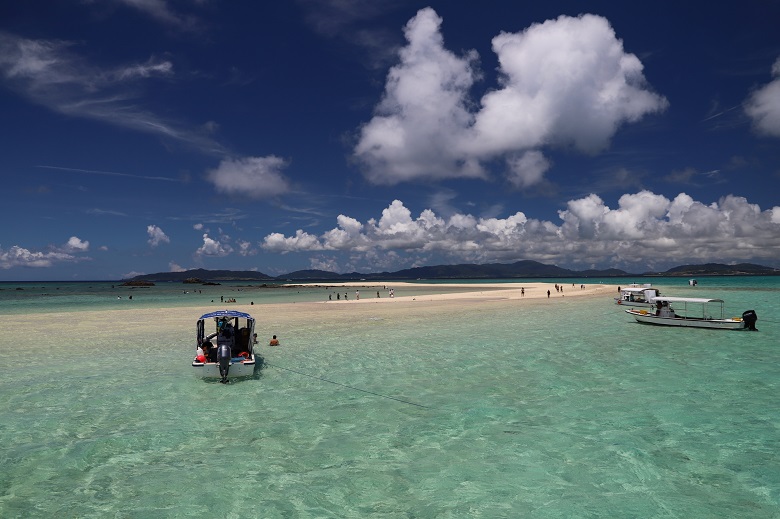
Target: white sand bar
470,291
285,317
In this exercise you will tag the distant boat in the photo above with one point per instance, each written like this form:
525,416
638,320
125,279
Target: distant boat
637,295
693,312
693,282
225,345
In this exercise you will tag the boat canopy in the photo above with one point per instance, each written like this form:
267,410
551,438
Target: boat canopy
700,300
226,313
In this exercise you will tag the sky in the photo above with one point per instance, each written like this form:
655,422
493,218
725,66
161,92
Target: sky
145,136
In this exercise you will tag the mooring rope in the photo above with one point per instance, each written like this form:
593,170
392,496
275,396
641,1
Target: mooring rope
346,385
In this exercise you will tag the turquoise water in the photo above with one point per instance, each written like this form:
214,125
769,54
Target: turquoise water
538,408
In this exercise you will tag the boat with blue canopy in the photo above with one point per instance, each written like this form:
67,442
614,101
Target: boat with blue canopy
224,346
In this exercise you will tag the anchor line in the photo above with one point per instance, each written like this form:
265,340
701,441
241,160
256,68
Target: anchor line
348,386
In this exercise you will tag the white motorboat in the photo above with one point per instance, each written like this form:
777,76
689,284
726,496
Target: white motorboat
694,312
637,295
225,345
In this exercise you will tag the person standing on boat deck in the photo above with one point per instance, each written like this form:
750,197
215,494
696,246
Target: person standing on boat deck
225,338
229,327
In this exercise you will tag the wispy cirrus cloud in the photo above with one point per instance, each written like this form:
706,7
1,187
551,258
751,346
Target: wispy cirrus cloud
110,173
52,74
353,21
163,12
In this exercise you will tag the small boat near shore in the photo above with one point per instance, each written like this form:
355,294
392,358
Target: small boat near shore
637,295
224,346
693,312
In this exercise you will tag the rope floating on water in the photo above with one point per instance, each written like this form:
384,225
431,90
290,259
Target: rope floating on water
347,386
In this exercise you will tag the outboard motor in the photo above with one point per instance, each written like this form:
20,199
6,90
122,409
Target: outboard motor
223,358
750,318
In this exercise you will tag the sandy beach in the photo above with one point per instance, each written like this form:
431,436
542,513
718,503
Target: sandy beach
471,291
285,318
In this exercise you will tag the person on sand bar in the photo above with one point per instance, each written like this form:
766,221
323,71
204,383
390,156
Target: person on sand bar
274,341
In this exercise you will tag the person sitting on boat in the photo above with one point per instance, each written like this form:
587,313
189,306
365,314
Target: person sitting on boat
209,351
274,341
666,310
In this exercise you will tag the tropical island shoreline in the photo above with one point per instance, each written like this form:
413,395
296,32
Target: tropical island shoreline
518,270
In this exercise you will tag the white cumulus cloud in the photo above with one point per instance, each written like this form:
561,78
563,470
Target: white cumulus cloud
75,244
175,267
644,231
20,257
423,113
527,169
17,256
302,241
252,177
763,105
566,82
212,247
156,235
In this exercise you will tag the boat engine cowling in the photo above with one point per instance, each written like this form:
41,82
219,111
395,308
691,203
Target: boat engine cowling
223,358
750,318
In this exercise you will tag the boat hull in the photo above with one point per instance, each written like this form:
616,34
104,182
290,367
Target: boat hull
238,368
640,304
687,322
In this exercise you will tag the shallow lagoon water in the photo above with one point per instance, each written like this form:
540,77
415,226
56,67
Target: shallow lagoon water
537,408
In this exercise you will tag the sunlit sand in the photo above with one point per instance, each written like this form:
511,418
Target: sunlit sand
285,318
471,291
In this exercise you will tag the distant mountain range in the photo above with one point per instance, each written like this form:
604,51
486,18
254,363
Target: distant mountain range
519,269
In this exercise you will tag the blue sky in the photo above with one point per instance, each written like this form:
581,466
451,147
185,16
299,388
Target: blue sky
142,136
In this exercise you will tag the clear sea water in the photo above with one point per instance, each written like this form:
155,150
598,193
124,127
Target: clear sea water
542,408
